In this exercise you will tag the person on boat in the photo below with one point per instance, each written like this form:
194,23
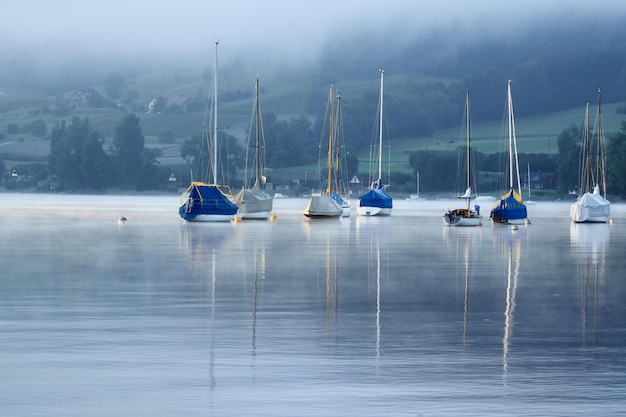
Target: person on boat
477,209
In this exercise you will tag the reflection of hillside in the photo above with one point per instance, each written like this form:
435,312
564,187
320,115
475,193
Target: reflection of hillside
589,242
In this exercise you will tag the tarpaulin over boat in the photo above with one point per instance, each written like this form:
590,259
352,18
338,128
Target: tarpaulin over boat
591,207
510,207
205,199
323,206
376,198
253,200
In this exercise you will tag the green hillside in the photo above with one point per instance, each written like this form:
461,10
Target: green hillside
537,134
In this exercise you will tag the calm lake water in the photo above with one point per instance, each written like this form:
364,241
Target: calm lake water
397,316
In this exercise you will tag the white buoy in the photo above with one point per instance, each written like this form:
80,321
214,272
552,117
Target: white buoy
514,227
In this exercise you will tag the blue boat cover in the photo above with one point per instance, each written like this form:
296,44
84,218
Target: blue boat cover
338,199
511,207
206,199
376,197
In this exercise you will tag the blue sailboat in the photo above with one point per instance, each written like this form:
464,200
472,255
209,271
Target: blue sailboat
511,208
208,202
376,202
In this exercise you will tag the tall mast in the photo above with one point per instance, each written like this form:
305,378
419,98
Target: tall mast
329,187
380,130
600,168
337,132
513,144
467,133
587,149
510,116
257,123
215,116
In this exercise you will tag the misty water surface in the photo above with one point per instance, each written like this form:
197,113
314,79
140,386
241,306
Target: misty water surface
396,316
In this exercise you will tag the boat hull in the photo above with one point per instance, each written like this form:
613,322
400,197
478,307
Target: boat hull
373,211
461,218
261,215
205,218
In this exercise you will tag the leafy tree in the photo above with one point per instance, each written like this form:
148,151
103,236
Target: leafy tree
569,158
434,168
128,146
13,128
114,85
616,162
77,159
198,153
289,142
37,127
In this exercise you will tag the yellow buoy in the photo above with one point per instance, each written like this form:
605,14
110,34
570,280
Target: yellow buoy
273,218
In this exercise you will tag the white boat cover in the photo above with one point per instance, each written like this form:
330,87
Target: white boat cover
253,201
591,207
323,206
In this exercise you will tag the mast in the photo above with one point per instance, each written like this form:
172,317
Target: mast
600,167
329,187
587,149
512,143
380,129
467,133
256,146
510,112
215,117
337,144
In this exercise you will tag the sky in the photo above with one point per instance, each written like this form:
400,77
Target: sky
289,30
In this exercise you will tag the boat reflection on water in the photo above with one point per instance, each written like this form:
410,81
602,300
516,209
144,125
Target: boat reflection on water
198,240
589,242
466,243
514,253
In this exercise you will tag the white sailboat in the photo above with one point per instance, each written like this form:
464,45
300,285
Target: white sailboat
465,216
202,201
252,201
415,197
377,202
323,205
592,205
511,208
340,191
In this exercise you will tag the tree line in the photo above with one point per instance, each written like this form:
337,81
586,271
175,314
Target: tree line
439,169
78,160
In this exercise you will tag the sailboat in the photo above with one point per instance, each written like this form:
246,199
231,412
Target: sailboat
416,196
252,202
465,216
511,209
340,187
208,202
323,205
376,202
592,205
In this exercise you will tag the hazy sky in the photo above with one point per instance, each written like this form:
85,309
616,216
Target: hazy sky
281,28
